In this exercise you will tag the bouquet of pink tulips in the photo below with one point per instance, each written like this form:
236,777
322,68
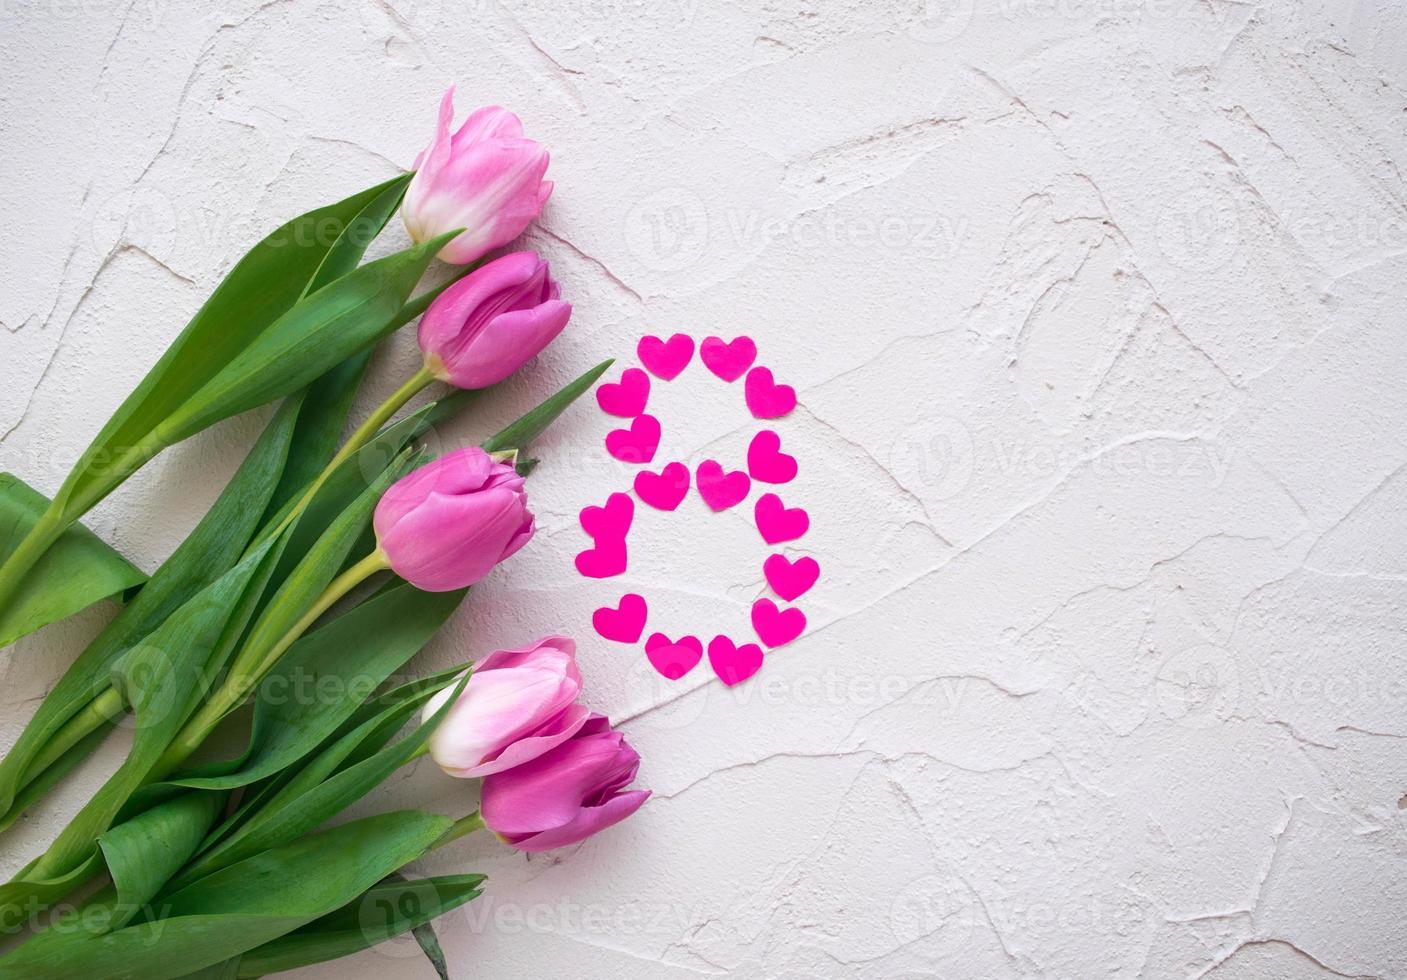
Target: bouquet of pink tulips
318,560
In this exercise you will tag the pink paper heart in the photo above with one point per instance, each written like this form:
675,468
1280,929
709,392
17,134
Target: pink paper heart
627,397
729,360
765,398
776,627
718,489
666,358
603,561
636,444
625,622
611,522
776,523
663,490
790,579
766,461
673,658
733,664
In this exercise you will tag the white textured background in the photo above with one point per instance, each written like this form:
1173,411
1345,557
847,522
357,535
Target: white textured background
1096,312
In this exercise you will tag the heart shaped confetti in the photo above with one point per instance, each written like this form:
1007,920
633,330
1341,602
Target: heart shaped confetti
611,522
765,398
721,490
603,561
627,397
663,490
777,627
728,360
636,444
790,579
733,664
666,358
777,523
625,622
767,462
673,658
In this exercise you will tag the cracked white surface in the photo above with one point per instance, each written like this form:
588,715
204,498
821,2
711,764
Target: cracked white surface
1095,310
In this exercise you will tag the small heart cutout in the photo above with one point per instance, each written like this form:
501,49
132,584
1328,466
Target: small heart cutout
636,444
765,398
663,490
625,622
733,664
777,627
603,561
790,579
626,398
721,490
767,462
611,522
728,360
673,658
776,523
666,358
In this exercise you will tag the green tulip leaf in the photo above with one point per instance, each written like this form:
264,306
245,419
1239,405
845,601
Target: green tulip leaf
324,677
163,679
522,432
384,912
77,571
316,334
143,853
209,551
240,908
258,294
322,790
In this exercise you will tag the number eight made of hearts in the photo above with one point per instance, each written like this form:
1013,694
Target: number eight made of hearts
722,485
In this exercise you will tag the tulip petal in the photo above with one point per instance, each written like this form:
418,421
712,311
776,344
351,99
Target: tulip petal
528,747
490,122
450,542
461,472
584,823
496,708
548,791
560,646
508,341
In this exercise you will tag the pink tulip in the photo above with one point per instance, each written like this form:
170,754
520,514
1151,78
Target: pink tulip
516,706
488,324
446,525
567,794
486,179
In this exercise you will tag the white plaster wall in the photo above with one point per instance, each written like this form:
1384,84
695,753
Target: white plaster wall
1096,312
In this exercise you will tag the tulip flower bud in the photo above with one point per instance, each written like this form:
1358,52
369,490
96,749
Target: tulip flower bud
486,179
446,525
566,794
488,324
516,706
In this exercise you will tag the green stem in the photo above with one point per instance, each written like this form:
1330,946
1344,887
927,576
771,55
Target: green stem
417,383
460,828
32,546
96,713
243,678
108,705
